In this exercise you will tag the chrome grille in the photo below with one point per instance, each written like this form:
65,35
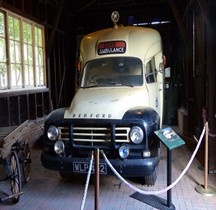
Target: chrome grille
95,134
91,134
63,133
122,134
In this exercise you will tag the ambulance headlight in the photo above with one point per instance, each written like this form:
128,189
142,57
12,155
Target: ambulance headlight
124,151
59,147
52,133
136,135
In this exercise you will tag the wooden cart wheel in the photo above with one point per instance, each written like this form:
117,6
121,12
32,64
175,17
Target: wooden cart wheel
15,177
26,162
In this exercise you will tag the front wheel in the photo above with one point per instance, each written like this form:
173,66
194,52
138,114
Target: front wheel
15,176
67,177
150,179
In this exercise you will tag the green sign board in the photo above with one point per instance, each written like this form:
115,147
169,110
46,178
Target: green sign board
169,138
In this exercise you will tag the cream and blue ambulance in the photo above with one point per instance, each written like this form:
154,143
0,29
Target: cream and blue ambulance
117,107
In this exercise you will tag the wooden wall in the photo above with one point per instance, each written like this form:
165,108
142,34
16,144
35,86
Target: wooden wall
18,106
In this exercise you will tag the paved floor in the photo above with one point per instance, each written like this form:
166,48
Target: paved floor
47,191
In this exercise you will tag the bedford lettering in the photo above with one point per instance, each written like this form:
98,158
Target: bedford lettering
85,115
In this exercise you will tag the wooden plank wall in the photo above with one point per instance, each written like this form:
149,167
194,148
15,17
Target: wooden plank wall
15,108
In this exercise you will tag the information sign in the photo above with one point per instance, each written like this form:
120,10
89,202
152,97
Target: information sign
169,138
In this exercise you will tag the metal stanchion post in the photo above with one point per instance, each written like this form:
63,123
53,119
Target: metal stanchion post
206,190
206,158
169,177
97,174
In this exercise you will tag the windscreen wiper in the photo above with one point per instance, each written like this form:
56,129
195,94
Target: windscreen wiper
121,84
108,84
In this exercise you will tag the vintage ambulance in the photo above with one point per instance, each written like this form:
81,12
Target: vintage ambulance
117,108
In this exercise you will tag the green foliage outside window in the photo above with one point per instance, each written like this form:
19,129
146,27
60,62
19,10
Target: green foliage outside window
3,69
23,64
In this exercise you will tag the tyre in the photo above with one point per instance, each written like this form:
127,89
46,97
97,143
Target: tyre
67,177
150,179
26,162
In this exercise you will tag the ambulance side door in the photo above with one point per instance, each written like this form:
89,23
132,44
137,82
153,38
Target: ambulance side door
153,86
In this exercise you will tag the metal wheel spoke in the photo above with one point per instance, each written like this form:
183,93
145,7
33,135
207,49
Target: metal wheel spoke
15,178
15,185
26,162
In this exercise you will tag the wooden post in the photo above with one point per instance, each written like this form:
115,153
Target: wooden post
205,189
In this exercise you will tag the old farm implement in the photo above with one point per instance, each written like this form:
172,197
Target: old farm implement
15,157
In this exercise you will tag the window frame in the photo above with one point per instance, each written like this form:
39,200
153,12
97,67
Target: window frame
151,71
31,80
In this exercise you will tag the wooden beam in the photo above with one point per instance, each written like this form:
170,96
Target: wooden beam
204,9
55,25
84,7
10,7
49,48
179,21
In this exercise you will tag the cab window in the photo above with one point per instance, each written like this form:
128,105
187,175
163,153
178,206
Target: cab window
151,72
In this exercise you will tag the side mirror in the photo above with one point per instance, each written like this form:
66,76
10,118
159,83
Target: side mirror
161,68
78,75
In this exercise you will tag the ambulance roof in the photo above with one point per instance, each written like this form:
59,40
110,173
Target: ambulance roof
140,42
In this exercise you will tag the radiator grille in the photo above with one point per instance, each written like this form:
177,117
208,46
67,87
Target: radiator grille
95,134
63,133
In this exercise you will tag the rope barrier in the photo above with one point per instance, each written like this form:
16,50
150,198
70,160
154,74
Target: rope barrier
212,135
87,183
162,190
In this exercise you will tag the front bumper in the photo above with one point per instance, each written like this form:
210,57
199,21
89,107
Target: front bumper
127,167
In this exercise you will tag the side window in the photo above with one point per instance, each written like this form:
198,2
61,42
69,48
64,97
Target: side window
151,72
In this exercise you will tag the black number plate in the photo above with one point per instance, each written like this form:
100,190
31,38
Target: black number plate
83,167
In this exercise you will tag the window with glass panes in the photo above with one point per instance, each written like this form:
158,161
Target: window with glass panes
3,57
21,52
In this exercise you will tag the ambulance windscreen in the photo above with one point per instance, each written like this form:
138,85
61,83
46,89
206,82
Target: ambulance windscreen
113,71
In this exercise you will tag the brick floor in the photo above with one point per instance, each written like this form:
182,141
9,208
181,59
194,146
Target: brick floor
47,191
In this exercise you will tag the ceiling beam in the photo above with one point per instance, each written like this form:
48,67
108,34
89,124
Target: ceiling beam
55,26
84,7
179,21
204,9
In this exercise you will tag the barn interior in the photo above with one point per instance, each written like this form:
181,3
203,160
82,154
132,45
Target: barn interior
188,33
